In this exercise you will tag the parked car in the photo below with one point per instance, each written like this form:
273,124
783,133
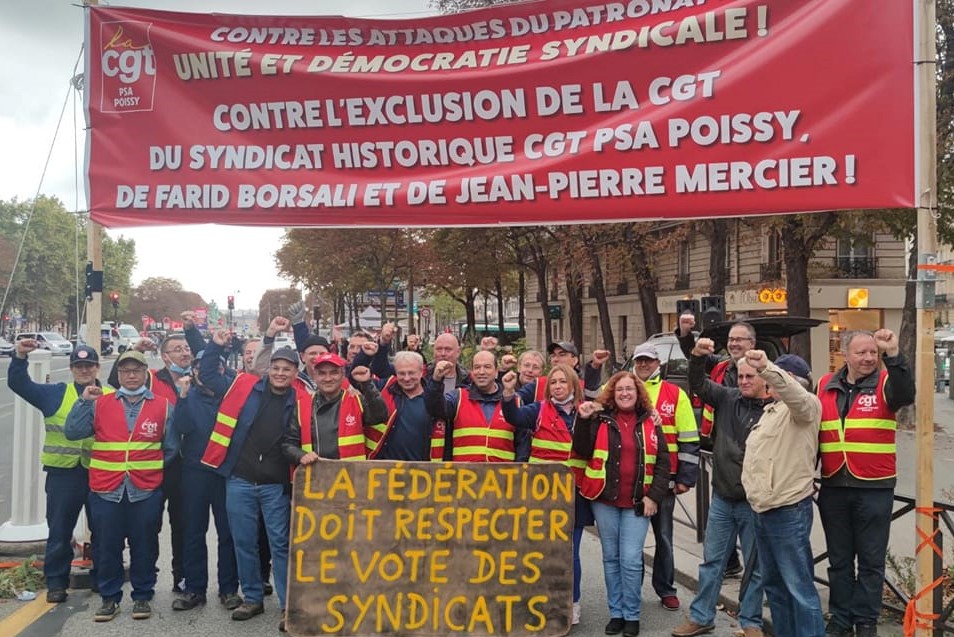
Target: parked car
6,347
52,341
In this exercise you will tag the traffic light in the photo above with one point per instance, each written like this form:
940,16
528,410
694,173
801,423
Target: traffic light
231,302
94,280
114,297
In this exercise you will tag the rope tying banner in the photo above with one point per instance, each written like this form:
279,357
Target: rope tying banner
914,619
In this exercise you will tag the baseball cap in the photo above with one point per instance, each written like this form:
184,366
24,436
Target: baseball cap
331,359
132,355
795,365
312,340
646,350
84,354
285,354
566,346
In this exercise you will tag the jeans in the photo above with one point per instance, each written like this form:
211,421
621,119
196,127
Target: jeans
622,536
726,519
857,523
202,490
244,501
118,523
664,568
783,537
577,564
67,491
171,489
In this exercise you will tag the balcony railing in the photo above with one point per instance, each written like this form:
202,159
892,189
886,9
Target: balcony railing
856,268
771,271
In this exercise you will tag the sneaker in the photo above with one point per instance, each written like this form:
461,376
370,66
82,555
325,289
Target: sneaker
56,595
577,613
669,602
141,609
281,624
834,630
631,628
866,630
734,570
107,611
231,601
615,626
267,588
188,601
247,611
690,628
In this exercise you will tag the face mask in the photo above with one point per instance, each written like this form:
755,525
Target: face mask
132,392
182,371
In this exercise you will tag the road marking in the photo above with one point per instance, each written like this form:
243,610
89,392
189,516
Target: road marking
20,620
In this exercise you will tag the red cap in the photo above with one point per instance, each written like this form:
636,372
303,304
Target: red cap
330,358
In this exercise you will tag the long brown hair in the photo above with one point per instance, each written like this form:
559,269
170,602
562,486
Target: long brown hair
609,390
570,374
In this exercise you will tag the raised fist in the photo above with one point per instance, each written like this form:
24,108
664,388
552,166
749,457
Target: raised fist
589,409
508,362
387,333
887,342
370,348
687,322
488,343
757,359
221,337
704,347
600,356
361,374
509,381
25,346
278,324
296,312
188,318
92,392
443,369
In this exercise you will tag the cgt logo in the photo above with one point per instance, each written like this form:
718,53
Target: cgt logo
126,58
150,429
867,402
667,409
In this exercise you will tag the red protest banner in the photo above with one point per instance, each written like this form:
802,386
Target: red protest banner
553,112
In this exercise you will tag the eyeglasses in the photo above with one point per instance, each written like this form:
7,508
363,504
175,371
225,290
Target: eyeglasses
178,350
646,361
740,339
132,371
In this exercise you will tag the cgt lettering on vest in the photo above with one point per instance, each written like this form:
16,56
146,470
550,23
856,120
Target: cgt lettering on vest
419,548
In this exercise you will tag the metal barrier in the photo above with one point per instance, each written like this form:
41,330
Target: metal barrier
941,625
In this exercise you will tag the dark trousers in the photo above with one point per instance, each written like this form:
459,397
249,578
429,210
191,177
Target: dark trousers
117,523
172,488
67,492
264,552
857,523
664,568
203,491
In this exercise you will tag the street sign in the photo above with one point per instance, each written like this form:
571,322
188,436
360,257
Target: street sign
425,312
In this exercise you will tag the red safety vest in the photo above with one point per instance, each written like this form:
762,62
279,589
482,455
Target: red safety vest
866,439
374,435
160,388
539,394
666,402
552,441
351,442
593,479
708,417
475,439
231,407
117,451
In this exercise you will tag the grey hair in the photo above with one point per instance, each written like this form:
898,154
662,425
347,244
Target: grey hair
533,352
409,357
748,327
851,335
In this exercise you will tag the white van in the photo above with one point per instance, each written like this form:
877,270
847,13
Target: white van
124,337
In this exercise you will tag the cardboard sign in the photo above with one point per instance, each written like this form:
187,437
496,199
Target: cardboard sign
418,548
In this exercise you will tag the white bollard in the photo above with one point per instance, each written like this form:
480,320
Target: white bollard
27,521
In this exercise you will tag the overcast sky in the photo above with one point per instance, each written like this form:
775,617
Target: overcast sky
40,43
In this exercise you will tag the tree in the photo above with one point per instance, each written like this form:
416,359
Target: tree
275,302
161,297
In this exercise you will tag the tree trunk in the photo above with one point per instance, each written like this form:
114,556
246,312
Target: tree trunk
522,302
796,283
718,240
652,321
543,290
908,335
470,308
602,308
574,294
498,287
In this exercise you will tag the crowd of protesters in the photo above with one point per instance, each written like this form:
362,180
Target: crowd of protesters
197,437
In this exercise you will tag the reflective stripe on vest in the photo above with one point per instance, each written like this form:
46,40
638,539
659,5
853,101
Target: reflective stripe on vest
865,443
593,480
475,439
57,450
551,441
117,452
708,414
665,397
351,438
227,418
375,434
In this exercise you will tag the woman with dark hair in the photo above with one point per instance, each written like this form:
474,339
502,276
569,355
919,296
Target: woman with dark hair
551,421
626,476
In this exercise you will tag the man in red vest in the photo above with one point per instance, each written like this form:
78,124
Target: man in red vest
857,446
133,437
477,430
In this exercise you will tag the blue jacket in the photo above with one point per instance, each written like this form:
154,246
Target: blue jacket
194,418
47,397
219,384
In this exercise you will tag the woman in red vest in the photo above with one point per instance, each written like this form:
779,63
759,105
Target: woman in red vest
551,421
619,435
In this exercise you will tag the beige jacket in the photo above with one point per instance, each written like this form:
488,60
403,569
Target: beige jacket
782,448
